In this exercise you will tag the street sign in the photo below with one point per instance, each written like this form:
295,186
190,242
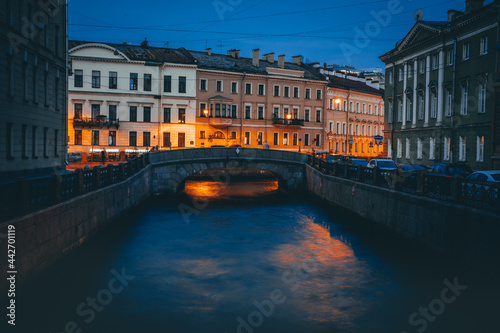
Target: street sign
378,139
330,133
351,141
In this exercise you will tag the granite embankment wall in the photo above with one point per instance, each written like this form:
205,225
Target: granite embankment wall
44,236
460,231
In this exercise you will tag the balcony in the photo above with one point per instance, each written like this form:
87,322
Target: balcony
288,122
95,122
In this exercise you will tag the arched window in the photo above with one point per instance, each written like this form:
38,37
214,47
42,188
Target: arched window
218,135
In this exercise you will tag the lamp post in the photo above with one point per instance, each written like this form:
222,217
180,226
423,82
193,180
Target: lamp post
299,143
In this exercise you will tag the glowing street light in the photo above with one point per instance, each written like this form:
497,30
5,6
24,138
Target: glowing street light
205,112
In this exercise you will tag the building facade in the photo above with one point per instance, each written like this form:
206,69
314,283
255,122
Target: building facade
249,102
354,116
439,92
33,92
124,100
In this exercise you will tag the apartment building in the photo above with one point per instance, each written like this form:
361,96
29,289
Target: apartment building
251,101
354,116
440,90
125,99
33,90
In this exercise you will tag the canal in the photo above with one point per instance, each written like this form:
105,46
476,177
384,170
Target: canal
247,258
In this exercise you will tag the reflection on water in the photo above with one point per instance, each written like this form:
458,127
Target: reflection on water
203,189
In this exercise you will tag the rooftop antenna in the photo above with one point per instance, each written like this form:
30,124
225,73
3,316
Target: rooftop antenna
419,15
220,44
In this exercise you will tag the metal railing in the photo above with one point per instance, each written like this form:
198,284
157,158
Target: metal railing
478,194
25,195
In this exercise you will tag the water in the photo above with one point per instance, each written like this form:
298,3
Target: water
269,264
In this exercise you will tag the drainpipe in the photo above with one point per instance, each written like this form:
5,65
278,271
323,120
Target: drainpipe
242,109
452,139
393,103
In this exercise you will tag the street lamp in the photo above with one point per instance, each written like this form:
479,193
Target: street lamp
299,143
205,112
337,102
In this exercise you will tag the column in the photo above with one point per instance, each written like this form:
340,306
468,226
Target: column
415,73
440,88
427,92
405,78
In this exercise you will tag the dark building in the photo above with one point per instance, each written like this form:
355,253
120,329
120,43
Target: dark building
33,92
440,91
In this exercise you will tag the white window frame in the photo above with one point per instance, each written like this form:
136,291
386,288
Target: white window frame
279,90
481,106
284,91
407,150
234,92
419,149
221,85
480,148
298,92
263,89
447,108
251,88
432,148
462,152
446,148
483,46
434,104
399,148
465,51
464,99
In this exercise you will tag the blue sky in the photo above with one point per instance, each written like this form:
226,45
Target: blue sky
336,32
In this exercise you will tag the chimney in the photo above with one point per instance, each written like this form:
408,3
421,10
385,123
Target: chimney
269,57
144,43
255,57
281,61
208,51
234,53
297,60
324,65
471,5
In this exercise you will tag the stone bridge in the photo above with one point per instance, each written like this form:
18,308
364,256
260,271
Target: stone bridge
172,167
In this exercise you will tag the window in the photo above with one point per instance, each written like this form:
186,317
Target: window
248,88
182,116
480,149
260,112
370,109
400,73
95,110
234,87
146,139
181,140
203,84
422,66
78,137
449,57
295,113
391,78
233,135
446,148
146,114
447,110
95,138
113,80
294,139
166,139
133,113
247,138
296,92
338,128
483,46
357,107
481,108
318,139
167,83
465,52
234,111
112,138
182,84
318,94
96,79
421,106
112,112
202,135
407,149
259,138
307,115
345,106
78,78
464,100
286,91
285,139
357,130
166,115
419,148
318,116
203,106
56,143
306,139
218,86
261,90
308,93
351,106
132,139
435,61
275,139
78,110
432,146
410,71
147,82
462,148
133,81
276,91
409,108
400,110
399,148
433,104
248,112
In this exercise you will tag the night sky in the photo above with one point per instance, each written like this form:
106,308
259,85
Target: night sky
336,32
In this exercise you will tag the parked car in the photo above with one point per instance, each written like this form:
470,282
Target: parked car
489,176
449,170
411,168
339,158
357,161
383,164
75,157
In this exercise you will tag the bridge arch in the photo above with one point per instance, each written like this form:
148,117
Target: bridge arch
173,167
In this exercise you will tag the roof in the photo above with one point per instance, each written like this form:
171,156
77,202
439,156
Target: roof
435,24
244,65
145,53
354,85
